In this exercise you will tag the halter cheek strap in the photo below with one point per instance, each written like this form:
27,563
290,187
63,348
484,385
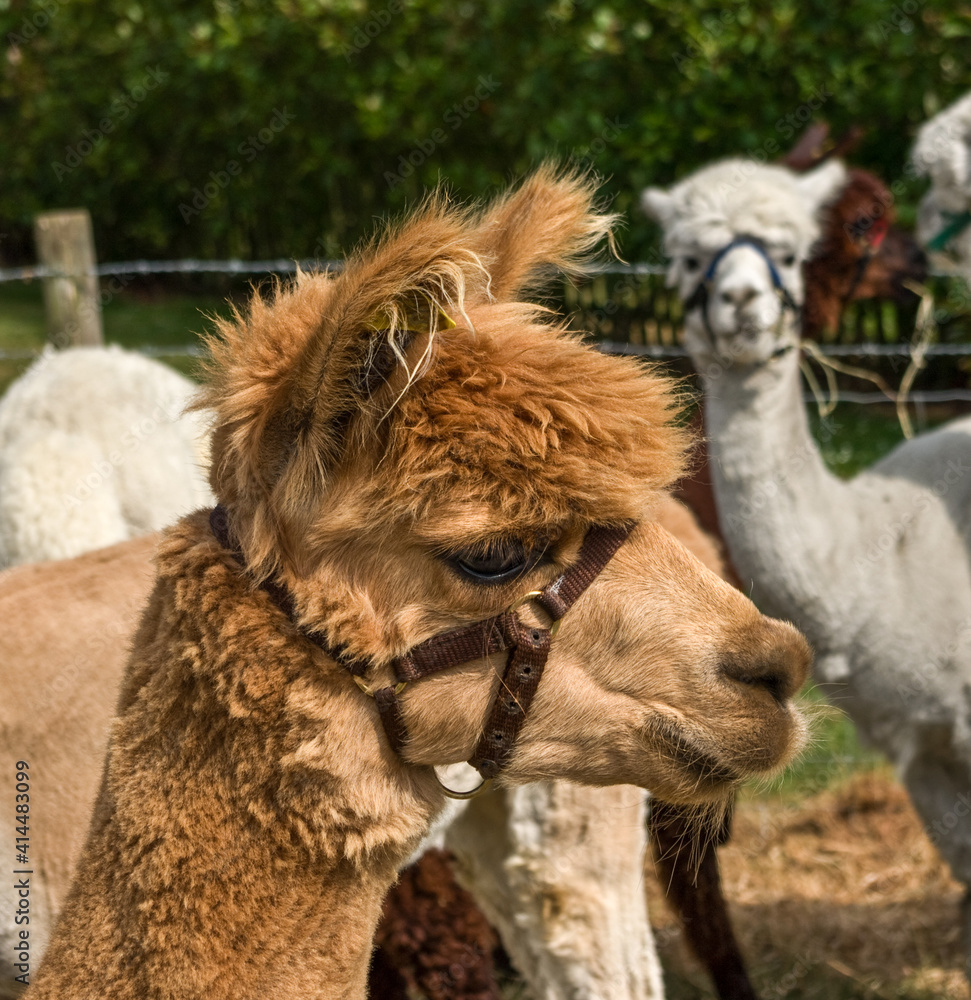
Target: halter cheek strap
528,646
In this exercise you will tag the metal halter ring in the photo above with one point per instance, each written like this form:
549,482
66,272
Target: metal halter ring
525,599
473,793
369,691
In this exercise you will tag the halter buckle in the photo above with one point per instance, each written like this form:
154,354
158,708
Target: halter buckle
369,691
525,599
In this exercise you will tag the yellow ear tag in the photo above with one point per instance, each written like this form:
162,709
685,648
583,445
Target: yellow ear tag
413,321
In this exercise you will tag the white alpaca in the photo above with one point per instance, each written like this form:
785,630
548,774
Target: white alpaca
876,570
95,449
942,152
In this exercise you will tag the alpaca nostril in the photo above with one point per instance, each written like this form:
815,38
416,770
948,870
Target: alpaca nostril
779,663
771,676
740,296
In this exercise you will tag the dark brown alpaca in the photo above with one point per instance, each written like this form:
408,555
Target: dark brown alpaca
432,938
862,254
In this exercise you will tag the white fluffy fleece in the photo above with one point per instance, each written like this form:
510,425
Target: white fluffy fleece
942,152
95,448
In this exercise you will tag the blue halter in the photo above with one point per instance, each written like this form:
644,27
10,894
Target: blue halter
699,297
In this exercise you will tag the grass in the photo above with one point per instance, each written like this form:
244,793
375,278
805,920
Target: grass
835,753
172,322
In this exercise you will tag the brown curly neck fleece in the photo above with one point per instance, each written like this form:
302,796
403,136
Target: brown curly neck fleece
235,851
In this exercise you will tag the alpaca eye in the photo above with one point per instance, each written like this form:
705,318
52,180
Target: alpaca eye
691,264
498,561
789,260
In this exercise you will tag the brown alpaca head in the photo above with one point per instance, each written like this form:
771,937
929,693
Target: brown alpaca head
861,255
409,448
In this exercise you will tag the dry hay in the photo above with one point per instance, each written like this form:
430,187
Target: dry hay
840,895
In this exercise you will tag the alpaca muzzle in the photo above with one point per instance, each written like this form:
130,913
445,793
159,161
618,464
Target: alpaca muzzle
700,298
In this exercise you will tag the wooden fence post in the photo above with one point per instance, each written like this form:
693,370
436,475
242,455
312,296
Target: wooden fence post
65,243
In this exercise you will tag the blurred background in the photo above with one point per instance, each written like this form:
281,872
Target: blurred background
337,112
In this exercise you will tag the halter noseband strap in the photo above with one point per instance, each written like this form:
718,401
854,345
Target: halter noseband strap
700,296
528,646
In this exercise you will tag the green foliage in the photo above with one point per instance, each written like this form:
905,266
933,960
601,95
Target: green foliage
363,105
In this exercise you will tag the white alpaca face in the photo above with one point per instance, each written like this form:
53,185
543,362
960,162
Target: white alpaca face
745,317
744,314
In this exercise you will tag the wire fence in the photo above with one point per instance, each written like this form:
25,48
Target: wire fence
279,265
190,266
628,310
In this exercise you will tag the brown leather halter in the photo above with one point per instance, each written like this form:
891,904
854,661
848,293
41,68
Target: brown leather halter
528,646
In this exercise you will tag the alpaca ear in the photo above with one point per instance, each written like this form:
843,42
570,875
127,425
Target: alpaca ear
549,224
657,204
823,184
294,377
809,150
289,380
